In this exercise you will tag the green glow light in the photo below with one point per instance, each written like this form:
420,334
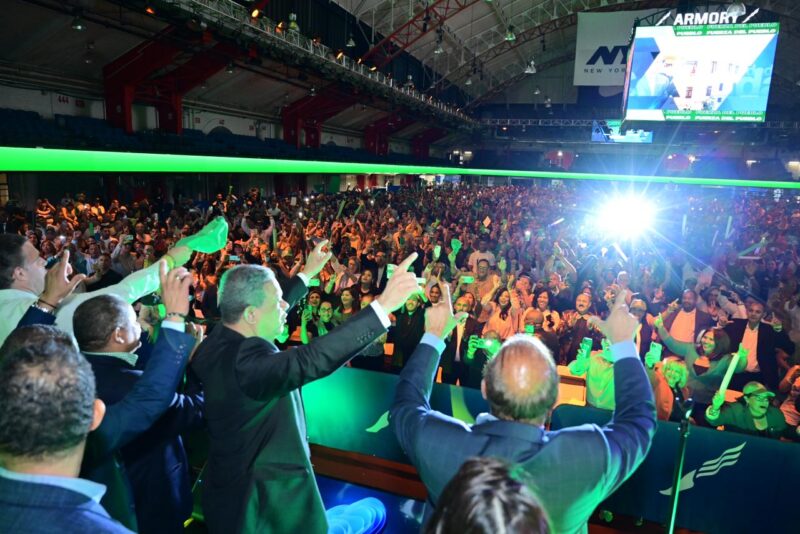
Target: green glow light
14,159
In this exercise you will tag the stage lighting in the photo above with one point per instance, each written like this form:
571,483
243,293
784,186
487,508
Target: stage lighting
624,218
78,24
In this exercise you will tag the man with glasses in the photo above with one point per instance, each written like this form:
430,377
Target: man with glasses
755,416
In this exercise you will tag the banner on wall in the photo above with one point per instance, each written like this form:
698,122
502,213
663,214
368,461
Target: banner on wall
601,51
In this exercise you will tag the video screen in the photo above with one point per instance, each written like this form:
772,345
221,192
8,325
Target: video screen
609,131
715,73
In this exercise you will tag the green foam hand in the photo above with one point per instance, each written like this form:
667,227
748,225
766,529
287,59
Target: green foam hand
455,244
211,238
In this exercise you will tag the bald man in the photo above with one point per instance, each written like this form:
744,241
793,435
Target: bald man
571,470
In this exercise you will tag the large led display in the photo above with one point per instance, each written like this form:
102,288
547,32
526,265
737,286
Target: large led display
710,72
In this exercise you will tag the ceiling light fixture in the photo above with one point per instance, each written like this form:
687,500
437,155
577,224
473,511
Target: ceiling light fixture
293,26
230,68
351,43
78,24
510,36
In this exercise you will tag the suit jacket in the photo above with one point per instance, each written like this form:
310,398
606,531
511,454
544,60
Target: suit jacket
768,342
702,321
573,469
471,327
44,509
148,483
258,476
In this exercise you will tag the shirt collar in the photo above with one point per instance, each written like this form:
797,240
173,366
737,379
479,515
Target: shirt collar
90,489
126,357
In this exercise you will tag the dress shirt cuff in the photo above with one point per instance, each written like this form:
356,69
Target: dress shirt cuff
173,325
622,350
381,313
434,341
304,278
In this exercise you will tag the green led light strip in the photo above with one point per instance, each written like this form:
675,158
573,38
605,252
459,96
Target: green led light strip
58,160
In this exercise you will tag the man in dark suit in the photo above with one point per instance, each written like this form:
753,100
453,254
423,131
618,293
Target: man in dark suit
47,407
574,469
455,364
377,264
763,344
686,323
150,491
258,476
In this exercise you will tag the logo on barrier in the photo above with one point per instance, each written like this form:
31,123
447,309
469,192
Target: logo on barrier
709,468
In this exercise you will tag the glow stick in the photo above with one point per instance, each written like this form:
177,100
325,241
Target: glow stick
729,373
713,241
728,228
683,226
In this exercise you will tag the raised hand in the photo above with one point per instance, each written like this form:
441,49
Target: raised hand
400,286
57,285
175,290
620,324
439,318
317,259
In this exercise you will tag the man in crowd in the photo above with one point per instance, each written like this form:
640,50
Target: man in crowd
573,470
47,408
456,367
576,326
763,344
155,463
103,275
688,322
259,477
482,253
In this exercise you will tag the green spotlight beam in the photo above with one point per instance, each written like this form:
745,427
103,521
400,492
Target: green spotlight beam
58,160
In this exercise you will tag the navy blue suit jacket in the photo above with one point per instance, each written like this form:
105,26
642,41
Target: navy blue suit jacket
142,405
44,509
571,471
151,476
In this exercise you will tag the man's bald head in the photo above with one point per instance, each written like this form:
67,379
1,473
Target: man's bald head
521,382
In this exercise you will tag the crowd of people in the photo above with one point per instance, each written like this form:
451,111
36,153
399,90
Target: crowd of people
524,268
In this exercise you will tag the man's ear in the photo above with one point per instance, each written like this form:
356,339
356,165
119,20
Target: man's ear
483,389
99,409
19,274
249,315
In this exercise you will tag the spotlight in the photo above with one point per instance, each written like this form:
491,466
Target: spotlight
255,13
78,24
293,27
438,50
351,43
510,36
531,68
468,82
537,90
736,9
373,68
339,55
626,217
230,68
149,10
280,27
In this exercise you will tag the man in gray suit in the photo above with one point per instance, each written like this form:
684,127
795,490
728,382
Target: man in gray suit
570,471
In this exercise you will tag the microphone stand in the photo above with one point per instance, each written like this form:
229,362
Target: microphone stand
686,412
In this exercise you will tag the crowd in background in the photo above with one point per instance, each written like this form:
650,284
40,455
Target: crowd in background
517,258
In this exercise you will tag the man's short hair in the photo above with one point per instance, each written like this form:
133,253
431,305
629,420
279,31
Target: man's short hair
509,402
241,287
96,319
484,497
11,257
47,393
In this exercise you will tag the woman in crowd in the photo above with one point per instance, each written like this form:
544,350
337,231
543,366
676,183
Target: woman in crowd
502,308
715,357
552,320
